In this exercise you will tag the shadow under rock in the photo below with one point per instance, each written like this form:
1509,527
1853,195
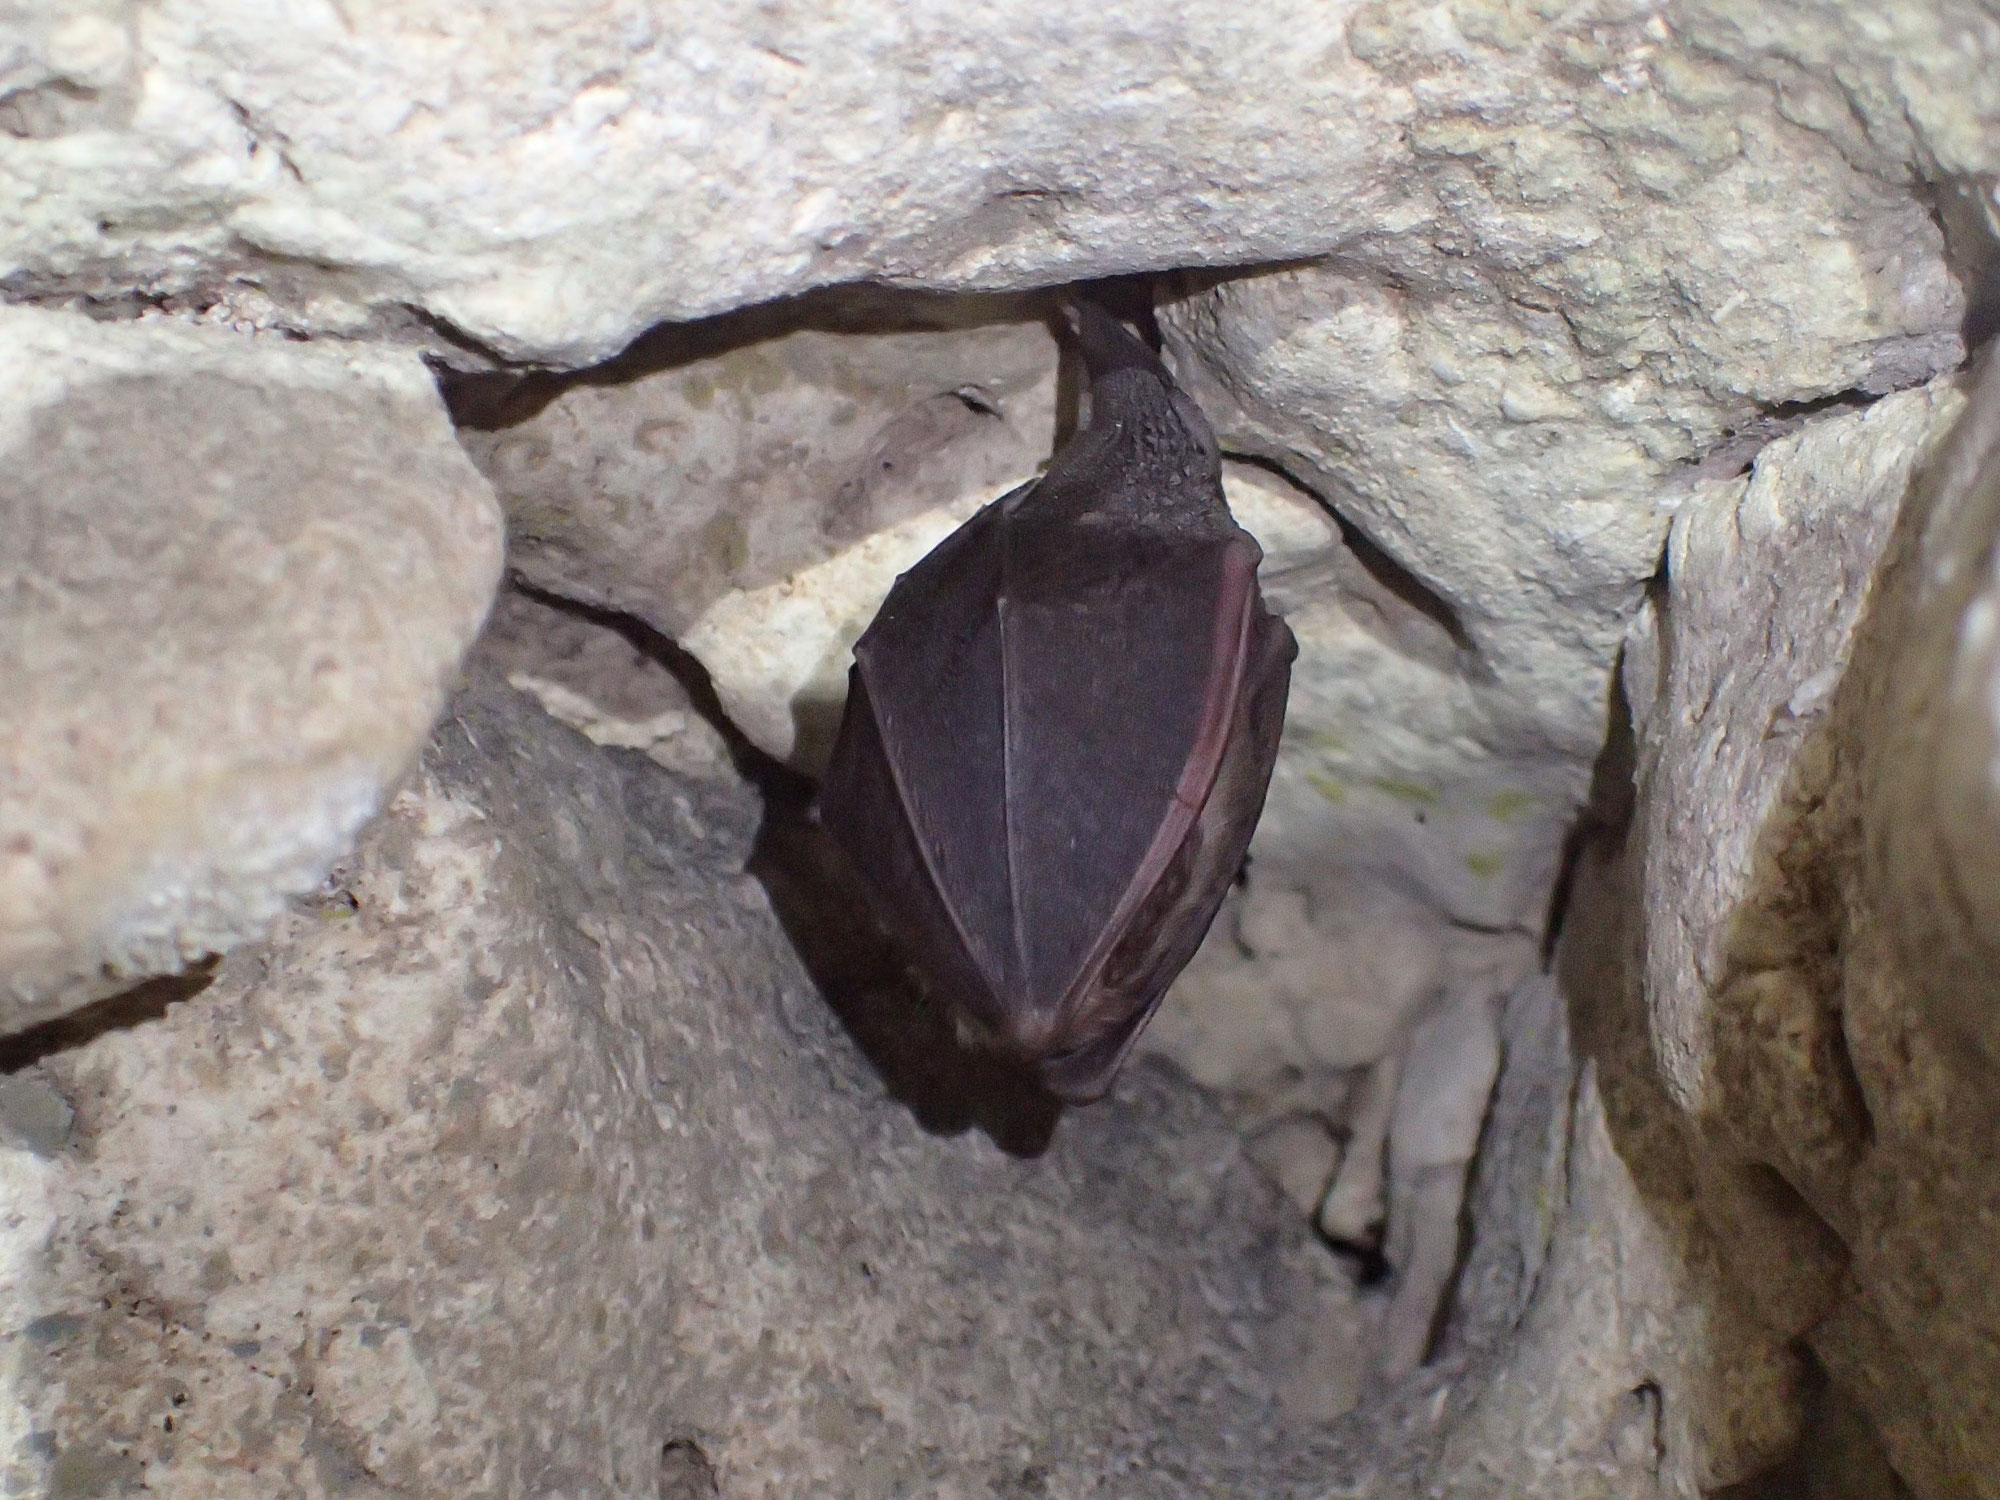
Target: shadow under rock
145,1001
488,400
909,1036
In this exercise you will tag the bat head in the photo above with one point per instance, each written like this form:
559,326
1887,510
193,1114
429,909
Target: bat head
1134,405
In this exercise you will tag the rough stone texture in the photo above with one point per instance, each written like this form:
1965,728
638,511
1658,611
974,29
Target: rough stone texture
1817,812
237,578
604,682
759,498
1595,1351
1596,1361
1554,285
1568,273
1508,423
553,182
1504,406
1768,576
752,486
1485,404
530,1164
730,454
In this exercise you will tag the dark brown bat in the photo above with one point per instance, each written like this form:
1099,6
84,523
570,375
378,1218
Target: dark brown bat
1060,729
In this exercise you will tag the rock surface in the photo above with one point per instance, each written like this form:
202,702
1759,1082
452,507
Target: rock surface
1504,419
1487,299
553,183
238,577
1553,292
530,1164
1596,1353
1470,427
605,682
1815,706
531,1110
752,486
1767,579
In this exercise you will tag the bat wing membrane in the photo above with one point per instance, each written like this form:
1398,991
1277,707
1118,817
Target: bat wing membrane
917,782
1180,902
1121,655
1061,726
1016,758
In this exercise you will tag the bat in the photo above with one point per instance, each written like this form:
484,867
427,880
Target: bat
1060,728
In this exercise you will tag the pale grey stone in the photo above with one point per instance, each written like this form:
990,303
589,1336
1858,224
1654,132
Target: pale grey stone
1816,713
752,487
524,1160
238,576
555,181
1568,274
1299,1154
1768,577
606,681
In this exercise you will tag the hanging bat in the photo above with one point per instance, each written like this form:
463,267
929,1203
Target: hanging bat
1061,726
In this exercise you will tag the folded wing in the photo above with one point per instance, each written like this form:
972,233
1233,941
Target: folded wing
1040,711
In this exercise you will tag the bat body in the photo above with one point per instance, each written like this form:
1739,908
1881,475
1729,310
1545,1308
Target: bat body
1061,726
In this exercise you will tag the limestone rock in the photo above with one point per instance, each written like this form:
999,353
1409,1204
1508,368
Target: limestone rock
1593,1351
1299,1155
1816,713
238,577
1441,1104
862,492
606,683
753,487
554,182
527,1162
1506,439
1504,408
1627,1373
1597,1346
1532,284
1906,842
1768,577
1554,287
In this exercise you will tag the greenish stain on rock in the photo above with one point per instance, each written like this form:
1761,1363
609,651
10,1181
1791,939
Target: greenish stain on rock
1507,805
1486,863
724,542
1327,786
1413,792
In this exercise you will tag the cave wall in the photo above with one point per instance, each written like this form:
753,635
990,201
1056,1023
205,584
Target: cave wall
1586,374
